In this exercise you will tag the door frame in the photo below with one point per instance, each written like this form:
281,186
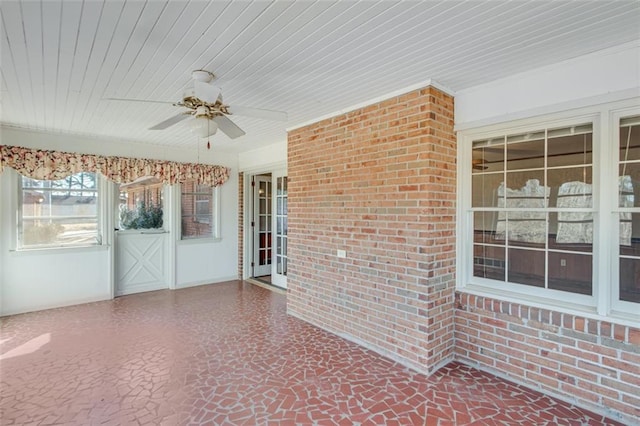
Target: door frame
279,280
171,224
247,207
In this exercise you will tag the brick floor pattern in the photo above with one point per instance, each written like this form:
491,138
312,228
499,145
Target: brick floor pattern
227,354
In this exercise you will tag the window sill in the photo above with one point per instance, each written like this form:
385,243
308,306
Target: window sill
190,241
589,312
58,250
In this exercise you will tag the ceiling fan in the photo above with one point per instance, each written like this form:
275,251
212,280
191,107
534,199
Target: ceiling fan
204,102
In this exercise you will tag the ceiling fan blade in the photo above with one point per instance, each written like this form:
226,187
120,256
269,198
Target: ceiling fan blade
138,100
258,113
206,92
228,127
169,122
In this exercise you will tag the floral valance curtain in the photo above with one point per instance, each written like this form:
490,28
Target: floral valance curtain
53,165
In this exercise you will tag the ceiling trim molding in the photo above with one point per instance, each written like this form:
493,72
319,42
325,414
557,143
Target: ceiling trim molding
427,83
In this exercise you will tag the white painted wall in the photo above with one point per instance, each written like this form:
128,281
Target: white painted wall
40,279
604,76
274,155
201,262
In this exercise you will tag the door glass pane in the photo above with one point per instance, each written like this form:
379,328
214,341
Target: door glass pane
281,225
141,204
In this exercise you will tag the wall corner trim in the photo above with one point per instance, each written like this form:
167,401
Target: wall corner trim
378,99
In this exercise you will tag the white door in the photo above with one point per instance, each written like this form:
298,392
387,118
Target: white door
261,224
142,242
141,261
279,267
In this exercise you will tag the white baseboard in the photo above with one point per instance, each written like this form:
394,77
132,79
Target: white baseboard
44,307
205,282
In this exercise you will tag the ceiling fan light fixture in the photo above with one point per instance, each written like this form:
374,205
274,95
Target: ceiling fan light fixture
202,75
203,126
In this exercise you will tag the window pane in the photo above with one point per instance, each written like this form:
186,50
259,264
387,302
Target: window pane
574,228
196,207
630,279
571,188
525,190
526,267
630,257
570,150
572,231
61,212
525,155
195,227
526,228
629,185
202,189
487,158
629,197
570,272
60,232
485,189
630,139
484,226
489,262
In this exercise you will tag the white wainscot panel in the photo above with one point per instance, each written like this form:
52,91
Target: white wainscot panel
49,278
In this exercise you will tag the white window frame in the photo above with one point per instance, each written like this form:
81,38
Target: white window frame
619,307
100,223
603,303
215,216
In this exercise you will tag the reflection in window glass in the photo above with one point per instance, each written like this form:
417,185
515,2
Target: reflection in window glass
629,202
526,267
196,207
141,204
532,207
630,257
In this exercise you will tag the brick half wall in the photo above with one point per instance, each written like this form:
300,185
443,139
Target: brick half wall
591,363
378,183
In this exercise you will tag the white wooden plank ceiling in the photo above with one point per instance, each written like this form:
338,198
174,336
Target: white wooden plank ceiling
61,59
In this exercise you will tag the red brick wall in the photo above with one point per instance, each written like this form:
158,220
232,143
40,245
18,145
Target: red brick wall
593,363
379,183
